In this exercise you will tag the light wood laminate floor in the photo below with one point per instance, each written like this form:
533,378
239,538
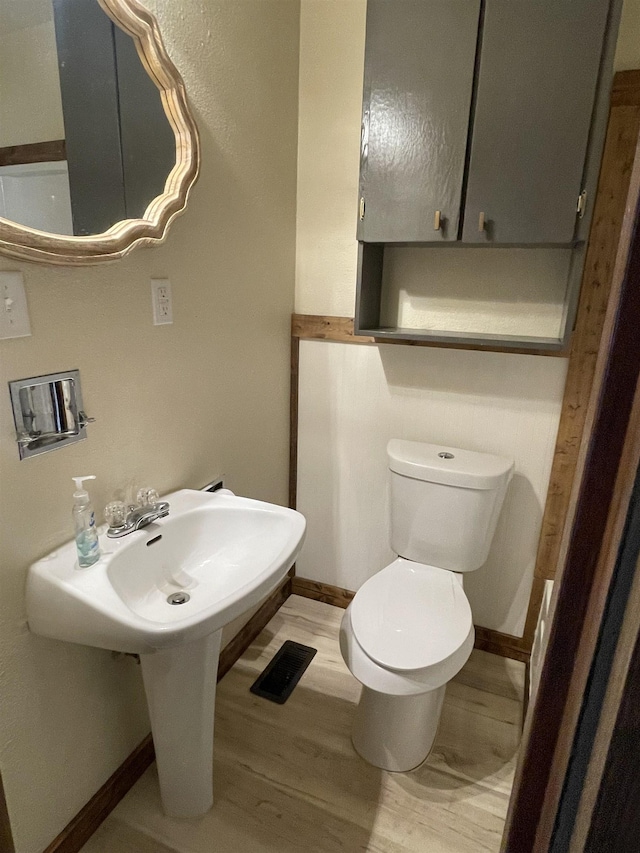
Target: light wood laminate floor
286,777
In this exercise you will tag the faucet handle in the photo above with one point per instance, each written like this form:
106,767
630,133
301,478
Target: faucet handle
115,514
147,497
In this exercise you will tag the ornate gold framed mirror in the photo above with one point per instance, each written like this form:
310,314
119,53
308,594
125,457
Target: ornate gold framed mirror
98,147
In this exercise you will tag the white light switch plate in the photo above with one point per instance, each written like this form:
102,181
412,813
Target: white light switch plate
161,301
14,315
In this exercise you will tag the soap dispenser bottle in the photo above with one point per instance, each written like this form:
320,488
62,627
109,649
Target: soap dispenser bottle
85,525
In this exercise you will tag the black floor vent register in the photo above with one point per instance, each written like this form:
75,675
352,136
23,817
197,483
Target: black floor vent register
283,672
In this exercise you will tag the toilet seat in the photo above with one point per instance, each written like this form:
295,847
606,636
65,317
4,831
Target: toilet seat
398,583
411,616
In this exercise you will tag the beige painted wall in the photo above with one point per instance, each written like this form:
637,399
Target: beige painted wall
341,488
175,405
30,100
331,65
628,47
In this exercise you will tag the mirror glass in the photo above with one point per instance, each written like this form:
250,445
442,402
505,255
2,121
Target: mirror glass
84,139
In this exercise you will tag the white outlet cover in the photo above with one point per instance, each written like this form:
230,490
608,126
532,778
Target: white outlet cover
161,301
14,314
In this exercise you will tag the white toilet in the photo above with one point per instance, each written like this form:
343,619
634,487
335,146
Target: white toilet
409,629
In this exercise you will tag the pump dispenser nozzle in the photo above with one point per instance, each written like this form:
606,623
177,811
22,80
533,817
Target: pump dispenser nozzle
80,492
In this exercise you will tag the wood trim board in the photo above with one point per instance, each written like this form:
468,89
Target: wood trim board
325,592
326,328
51,151
293,421
504,645
243,639
329,328
78,831
626,89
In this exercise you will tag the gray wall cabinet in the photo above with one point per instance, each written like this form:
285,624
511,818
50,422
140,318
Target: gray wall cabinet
483,122
88,83
418,87
120,145
537,82
147,139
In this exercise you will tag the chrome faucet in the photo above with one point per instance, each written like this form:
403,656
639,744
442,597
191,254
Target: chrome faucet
137,518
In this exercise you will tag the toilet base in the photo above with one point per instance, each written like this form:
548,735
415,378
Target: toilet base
396,732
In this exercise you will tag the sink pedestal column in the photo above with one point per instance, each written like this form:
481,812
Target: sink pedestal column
180,684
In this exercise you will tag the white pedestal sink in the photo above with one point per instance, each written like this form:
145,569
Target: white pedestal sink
226,553
181,693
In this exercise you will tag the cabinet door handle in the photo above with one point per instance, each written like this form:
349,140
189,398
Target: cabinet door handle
481,222
437,221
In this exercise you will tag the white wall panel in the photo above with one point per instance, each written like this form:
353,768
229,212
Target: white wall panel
37,195
354,398
31,103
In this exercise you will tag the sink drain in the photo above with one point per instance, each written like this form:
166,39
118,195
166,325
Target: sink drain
178,598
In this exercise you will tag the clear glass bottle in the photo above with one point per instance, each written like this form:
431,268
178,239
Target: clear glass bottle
84,521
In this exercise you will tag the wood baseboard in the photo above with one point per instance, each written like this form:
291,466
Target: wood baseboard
324,592
76,834
505,645
243,639
487,639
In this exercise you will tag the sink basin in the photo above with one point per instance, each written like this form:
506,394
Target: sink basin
220,555
226,552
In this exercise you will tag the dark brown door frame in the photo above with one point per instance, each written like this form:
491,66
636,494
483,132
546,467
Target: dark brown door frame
587,557
600,807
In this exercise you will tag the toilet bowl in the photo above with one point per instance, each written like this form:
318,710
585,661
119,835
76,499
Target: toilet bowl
409,629
407,632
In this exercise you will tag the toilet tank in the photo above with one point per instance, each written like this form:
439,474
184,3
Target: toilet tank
445,503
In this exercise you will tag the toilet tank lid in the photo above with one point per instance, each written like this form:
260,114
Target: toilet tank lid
452,466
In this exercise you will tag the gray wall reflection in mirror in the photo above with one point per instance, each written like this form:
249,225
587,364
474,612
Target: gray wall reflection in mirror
84,140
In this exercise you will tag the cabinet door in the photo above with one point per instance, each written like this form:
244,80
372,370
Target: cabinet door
536,88
148,141
418,83
86,58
